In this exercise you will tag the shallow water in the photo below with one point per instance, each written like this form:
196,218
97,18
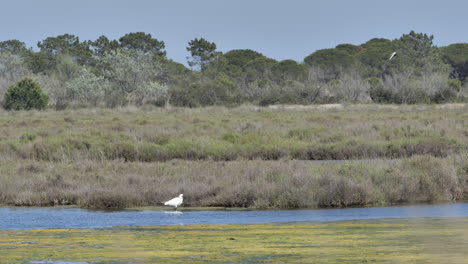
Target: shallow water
38,218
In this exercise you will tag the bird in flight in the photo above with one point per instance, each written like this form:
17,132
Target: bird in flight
175,201
392,55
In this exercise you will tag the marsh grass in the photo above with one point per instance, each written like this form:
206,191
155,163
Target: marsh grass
234,157
253,184
222,134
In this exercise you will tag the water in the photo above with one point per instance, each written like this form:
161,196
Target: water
32,218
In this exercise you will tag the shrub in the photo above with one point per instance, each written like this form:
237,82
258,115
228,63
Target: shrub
106,199
338,191
87,89
121,150
448,92
437,180
25,94
377,91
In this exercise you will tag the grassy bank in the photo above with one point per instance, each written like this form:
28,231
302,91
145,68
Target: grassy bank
241,157
380,241
257,183
217,133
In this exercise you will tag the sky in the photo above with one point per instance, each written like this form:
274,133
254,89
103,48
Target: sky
289,29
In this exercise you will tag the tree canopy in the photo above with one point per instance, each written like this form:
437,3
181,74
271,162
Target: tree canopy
202,51
13,46
333,61
142,42
134,69
457,56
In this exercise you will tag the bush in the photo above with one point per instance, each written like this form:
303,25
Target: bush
377,91
87,89
25,94
448,93
107,199
339,191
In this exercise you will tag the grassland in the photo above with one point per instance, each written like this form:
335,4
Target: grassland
246,133
241,157
375,241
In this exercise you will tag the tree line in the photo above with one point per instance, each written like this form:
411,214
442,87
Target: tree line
134,69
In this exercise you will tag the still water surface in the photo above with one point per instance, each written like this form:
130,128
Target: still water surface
32,218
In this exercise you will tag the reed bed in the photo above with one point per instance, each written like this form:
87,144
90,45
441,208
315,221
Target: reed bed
253,184
241,157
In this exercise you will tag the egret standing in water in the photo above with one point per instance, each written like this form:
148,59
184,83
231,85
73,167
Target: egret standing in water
175,201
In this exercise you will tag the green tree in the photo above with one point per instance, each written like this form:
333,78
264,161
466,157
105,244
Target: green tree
14,47
244,66
40,62
103,45
144,43
415,46
349,48
332,61
25,94
175,74
416,53
241,57
374,56
289,70
202,51
67,44
457,56
217,91
259,68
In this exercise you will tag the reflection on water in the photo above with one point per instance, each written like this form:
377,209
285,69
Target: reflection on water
173,212
32,218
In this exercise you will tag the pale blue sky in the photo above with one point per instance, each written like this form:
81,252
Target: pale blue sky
289,29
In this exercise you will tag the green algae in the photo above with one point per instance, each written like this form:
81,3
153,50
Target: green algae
433,240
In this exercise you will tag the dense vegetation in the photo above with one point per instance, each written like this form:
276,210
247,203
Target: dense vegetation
115,158
255,184
26,94
135,70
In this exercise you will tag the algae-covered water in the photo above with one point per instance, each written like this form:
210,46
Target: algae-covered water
416,234
45,218
414,240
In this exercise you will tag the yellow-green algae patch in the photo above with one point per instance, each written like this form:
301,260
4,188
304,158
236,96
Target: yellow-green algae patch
374,241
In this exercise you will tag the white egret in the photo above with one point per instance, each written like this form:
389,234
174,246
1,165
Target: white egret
393,55
175,201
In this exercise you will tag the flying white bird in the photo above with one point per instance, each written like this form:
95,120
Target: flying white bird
175,202
393,55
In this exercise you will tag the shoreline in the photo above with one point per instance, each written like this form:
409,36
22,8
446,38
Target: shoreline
223,209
